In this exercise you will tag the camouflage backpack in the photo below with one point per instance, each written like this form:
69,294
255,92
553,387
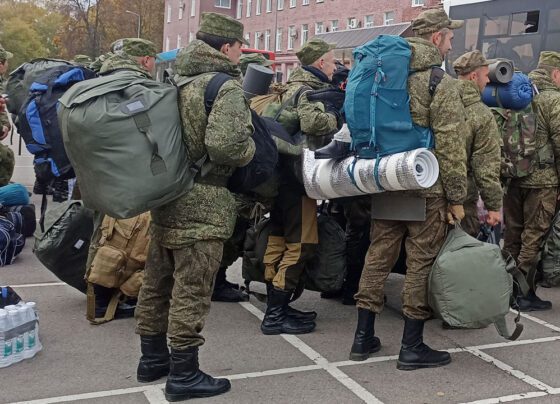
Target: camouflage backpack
519,152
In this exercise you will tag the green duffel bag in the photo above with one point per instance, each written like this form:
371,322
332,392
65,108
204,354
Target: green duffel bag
123,136
63,246
471,283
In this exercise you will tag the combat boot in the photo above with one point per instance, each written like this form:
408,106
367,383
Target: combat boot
298,315
334,150
225,291
187,381
414,353
276,321
365,341
154,362
531,302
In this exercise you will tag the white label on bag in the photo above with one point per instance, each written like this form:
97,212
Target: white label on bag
79,244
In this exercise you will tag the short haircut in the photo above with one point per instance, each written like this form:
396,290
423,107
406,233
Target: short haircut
428,36
215,41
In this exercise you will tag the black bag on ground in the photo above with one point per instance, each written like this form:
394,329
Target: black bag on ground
28,215
11,239
63,246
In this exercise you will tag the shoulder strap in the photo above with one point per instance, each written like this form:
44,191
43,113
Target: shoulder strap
502,328
294,99
111,307
213,88
435,78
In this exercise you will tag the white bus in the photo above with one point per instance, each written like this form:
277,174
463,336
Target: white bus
514,29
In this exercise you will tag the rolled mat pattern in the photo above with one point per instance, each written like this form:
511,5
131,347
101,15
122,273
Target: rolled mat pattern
330,179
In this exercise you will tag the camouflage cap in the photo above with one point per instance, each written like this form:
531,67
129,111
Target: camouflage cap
5,55
549,59
313,50
222,25
469,62
249,58
134,47
98,62
434,20
82,59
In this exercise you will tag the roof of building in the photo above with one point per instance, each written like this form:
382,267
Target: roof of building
349,39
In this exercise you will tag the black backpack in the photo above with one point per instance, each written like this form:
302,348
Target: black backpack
262,166
38,121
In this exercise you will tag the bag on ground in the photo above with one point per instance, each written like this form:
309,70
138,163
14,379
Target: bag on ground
28,215
13,195
11,239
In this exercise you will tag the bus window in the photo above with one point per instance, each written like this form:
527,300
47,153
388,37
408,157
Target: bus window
525,23
523,51
554,20
496,25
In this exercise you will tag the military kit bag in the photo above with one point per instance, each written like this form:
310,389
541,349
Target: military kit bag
12,240
377,103
63,245
470,285
38,124
124,137
27,213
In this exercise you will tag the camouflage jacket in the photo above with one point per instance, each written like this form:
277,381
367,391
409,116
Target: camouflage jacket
207,212
546,105
4,121
118,62
314,121
444,113
483,149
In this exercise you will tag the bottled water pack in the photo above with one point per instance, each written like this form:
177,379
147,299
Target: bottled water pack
19,333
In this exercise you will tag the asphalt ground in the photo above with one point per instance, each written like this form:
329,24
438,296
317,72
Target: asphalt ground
97,364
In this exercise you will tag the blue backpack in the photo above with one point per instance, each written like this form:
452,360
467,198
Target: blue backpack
38,121
377,104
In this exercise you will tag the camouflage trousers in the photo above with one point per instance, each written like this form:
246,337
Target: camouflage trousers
423,240
471,223
293,238
175,295
528,214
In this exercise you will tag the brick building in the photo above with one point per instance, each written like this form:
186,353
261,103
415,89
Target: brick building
283,26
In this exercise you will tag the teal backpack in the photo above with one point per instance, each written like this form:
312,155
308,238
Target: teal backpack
377,103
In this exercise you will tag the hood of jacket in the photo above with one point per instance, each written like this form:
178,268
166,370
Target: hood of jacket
199,58
303,77
470,93
424,54
541,79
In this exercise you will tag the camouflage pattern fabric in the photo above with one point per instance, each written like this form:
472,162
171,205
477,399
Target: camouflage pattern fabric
423,242
98,62
207,212
117,62
528,215
483,149
7,164
222,25
546,105
134,47
469,62
434,20
312,50
186,274
4,121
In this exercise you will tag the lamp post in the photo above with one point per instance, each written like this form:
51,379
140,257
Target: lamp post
139,20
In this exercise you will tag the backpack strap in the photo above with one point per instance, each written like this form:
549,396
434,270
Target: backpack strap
294,99
213,88
435,78
502,328
111,307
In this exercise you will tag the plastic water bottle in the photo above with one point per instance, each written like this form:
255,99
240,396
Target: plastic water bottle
32,343
5,346
14,321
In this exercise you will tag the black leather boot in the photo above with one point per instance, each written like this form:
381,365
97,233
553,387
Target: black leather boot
414,353
154,362
305,316
365,341
276,321
187,381
334,150
532,302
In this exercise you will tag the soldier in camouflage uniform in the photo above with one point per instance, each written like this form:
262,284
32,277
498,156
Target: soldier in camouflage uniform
445,115
7,160
530,202
293,238
188,233
253,58
483,143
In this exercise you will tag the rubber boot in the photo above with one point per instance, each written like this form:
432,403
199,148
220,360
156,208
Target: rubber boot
414,353
187,381
154,362
334,150
276,321
305,316
365,341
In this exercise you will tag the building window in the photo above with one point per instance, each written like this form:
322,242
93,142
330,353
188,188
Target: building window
178,41
292,34
278,39
280,4
193,8
258,7
418,3
249,6
239,9
181,8
319,28
304,33
167,43
293,3
352,23
334,25
169,13
319,1
268,6
248,38
258,36
368,21
389,18
223,3
191,36
305,3
267,40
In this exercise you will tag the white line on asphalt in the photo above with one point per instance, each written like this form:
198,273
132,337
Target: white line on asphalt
39,285
506,399
155,396
274,372
511,371
86,396
316,357
539,321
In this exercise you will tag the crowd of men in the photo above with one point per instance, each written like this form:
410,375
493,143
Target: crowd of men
186,253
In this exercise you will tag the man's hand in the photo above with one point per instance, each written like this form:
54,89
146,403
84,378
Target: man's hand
493,218
455,213
5,132
2,104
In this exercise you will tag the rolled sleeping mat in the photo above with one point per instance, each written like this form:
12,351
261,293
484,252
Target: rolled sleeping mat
330,179
516,95
501,71
257,80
